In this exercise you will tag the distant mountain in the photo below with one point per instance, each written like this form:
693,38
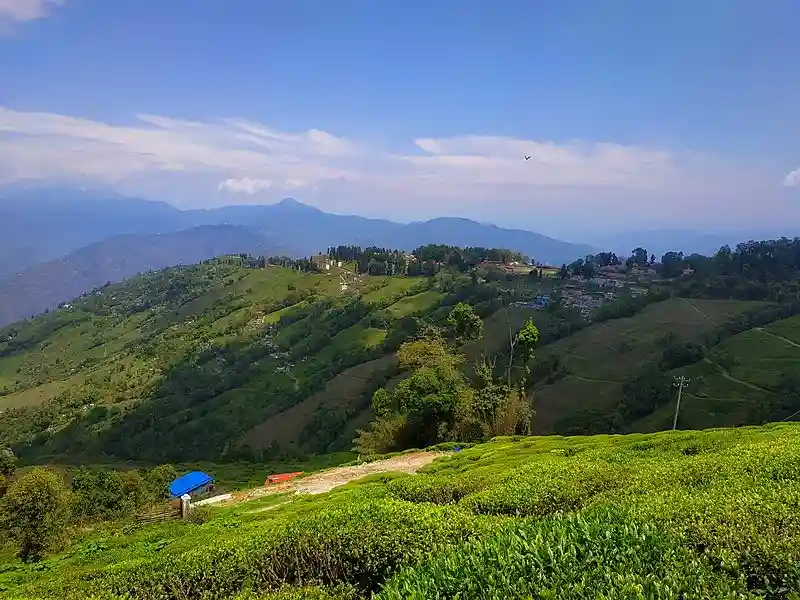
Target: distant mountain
312,230
41,225
46,285
59,243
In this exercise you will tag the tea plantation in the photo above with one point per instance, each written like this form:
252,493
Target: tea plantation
707,514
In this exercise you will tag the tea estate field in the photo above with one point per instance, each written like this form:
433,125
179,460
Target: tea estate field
705,514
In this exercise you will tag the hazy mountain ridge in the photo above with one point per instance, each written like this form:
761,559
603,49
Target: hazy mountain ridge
55,222
60,243
45,285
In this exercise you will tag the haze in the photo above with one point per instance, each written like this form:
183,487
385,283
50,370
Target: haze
635,115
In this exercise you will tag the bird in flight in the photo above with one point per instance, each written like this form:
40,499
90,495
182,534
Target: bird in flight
527,158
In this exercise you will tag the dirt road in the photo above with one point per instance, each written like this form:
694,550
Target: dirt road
325,481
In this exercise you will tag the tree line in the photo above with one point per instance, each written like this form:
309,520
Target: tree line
38,508
426,260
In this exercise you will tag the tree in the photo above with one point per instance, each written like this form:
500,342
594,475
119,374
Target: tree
8,463
606,259
672,264
464,324
564,272
528,340
576,268
639,256
381,403
35,513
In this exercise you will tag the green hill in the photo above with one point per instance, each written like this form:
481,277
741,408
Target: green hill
598,361
237,358
710,514
750,377
183,362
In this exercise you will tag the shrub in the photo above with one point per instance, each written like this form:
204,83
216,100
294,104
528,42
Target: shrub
602,555
200,514
436,489
8,463
35,513
547,488
354,542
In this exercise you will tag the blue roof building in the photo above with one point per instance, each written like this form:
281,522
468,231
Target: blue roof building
191,482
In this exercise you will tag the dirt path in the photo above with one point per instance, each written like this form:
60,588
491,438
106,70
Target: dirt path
700,312
325,481
779,337
724,373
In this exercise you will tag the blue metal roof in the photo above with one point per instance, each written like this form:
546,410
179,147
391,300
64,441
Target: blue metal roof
189,483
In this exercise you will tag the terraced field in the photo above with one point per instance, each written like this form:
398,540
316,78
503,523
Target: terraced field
635,516
601,357
738,378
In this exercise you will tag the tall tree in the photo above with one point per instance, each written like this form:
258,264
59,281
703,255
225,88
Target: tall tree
464,324
639,256
35,512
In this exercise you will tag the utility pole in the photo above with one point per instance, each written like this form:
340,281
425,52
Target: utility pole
680,383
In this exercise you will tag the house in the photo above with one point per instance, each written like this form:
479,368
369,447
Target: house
687,272
194,482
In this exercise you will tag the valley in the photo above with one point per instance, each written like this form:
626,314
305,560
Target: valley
456,396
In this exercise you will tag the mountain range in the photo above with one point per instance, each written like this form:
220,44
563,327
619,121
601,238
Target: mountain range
59,243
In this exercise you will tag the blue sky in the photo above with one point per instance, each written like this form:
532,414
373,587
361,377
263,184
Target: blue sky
682,113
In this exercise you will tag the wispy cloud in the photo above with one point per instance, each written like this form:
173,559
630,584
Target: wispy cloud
245,185
26,10
206,161
792,179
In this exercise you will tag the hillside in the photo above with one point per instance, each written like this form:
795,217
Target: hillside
706,514
598,361
240,358
182,362
47,284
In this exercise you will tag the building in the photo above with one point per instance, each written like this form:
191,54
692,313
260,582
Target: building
194,482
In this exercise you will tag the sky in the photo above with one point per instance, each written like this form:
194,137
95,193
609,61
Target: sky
635,115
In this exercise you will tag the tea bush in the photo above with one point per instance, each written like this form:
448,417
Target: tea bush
712,514
543,489
355,542
604,554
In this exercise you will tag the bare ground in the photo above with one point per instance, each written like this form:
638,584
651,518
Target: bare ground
325,481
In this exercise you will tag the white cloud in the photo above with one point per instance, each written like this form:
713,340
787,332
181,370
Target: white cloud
199,162
792,179
26,10
245,185
500,160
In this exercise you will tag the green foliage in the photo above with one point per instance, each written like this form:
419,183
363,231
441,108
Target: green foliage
709,514
464,324
8,462
104,494
34,512
358,543
381,403
601,554
712,514
200,514
528,340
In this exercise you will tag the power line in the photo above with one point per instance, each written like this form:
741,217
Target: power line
680,383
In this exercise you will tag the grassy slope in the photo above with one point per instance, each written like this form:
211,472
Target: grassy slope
718,395
117,360
693,514
91,356
601,357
